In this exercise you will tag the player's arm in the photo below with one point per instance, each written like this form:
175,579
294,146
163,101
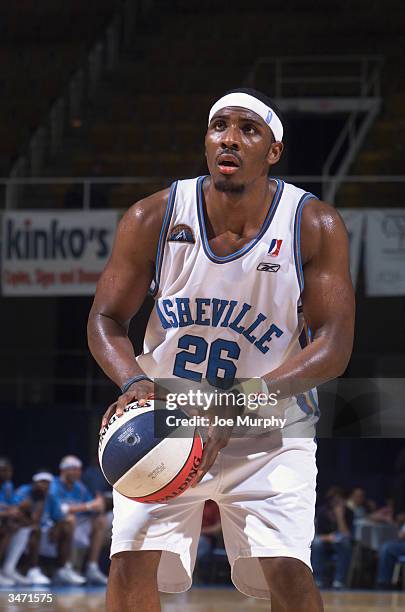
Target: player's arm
120,293
328,303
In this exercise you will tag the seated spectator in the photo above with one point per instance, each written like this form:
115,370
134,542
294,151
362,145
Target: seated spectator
85,510
384,514
14,529
51,533
399,486
359,504
210,529
334,523
387,558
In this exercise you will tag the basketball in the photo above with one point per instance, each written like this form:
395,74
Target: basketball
144,458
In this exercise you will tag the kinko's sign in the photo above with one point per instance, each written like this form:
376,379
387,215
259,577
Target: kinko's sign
55,253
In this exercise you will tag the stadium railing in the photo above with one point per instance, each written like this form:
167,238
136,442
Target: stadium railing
10,188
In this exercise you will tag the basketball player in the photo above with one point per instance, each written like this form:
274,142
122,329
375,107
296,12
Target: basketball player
250,277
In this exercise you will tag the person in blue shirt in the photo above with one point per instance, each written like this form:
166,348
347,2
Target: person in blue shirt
51,533
14,529
87,512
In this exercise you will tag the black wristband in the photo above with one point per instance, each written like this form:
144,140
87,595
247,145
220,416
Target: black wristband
133,380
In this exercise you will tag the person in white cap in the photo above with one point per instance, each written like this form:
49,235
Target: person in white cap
86,512
226,257
51,534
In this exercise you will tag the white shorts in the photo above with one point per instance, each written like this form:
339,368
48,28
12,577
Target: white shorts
267,504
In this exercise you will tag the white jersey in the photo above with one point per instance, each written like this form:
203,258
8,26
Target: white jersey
238,315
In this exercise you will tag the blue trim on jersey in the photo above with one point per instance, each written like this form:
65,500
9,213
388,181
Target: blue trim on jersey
304,400
297,238
204,239
302,403
162,238
315,402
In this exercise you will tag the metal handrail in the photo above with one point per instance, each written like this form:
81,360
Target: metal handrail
365,80
368,80
328,182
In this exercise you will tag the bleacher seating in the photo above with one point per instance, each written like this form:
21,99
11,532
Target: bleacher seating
149,116
42,43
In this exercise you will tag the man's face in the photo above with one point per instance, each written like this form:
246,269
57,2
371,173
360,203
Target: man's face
41,487
239,149
6,472
72,474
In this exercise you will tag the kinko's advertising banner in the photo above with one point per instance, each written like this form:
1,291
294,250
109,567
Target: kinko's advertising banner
55,252
385,252
354,221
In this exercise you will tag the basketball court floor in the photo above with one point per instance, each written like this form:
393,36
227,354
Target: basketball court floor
199,599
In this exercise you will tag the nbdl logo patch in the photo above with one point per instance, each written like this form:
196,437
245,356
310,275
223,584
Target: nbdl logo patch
275,246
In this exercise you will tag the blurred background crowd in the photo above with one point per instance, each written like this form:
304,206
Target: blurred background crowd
57,528
64,519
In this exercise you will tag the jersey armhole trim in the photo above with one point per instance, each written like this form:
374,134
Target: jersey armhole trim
297,238
154,288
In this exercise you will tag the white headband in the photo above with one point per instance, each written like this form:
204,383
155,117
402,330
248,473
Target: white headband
257,106
70,461
42,476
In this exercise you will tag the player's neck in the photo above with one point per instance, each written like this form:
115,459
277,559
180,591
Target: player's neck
236,211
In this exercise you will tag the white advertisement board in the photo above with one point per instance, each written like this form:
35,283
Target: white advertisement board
385,252
55,252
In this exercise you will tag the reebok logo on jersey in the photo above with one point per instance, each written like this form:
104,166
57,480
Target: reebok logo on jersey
275,246
181,233
268,267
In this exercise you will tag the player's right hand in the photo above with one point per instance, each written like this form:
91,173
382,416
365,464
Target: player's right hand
141,392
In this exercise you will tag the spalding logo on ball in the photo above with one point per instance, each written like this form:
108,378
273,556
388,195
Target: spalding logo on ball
146,467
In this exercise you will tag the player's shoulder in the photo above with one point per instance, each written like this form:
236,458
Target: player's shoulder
148,210
319,217
321,225
145,217
155,204
315,213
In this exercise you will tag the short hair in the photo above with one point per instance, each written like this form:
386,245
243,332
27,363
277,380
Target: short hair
260,96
